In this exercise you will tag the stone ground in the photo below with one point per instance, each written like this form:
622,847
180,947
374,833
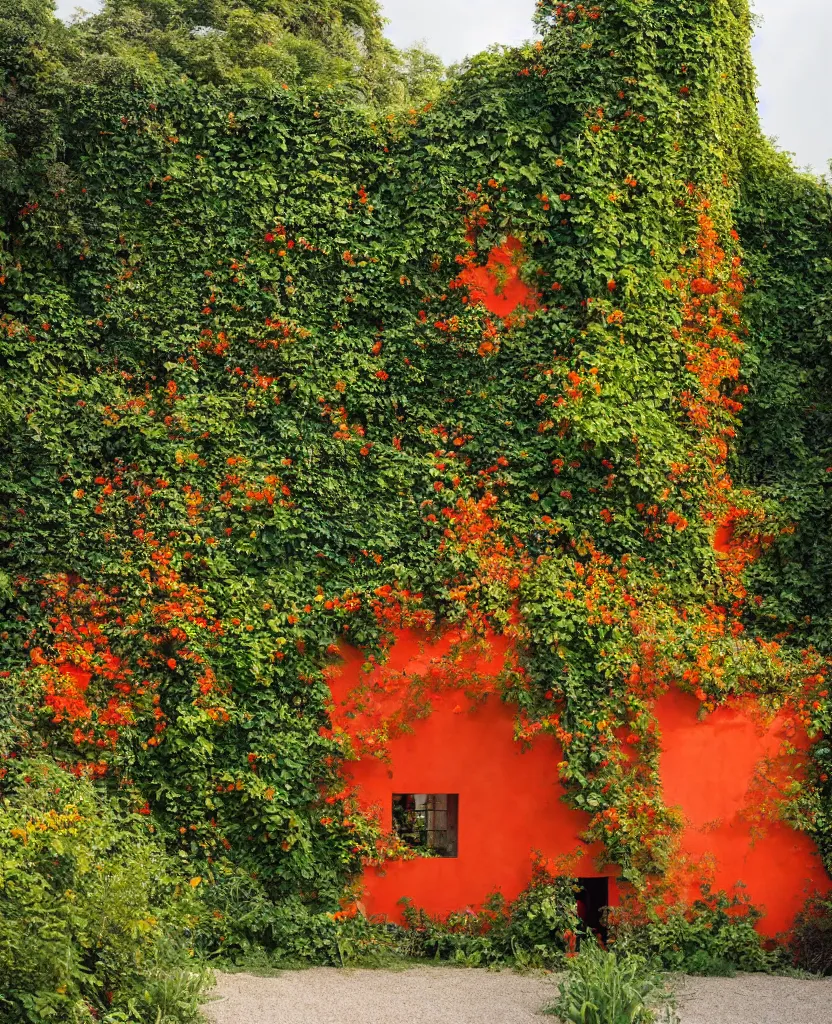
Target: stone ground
443,995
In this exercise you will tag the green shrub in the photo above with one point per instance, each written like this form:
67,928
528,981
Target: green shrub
463,937
242,920
543,921
714,935
93,923
605,988
811,940
241,924
535,930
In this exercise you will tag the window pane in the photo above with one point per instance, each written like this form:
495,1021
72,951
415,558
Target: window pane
428,822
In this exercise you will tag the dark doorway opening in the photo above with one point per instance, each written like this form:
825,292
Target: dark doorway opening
593,900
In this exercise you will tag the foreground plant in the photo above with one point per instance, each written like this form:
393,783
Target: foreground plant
714,934
605,988
92,914
811,943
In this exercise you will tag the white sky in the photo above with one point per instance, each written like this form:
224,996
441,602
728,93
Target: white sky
793,51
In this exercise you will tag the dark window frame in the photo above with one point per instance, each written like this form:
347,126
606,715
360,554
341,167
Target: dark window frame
428,822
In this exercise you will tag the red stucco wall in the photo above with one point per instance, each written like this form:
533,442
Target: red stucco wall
708,769
510,801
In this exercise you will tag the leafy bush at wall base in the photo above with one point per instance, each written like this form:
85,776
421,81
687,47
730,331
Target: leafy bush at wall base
537,929
612,988
241,925
93,916
811,939
714,935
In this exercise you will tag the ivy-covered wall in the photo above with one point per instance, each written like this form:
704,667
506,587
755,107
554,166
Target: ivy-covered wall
253,410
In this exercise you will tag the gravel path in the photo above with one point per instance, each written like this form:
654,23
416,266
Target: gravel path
754,999
442,995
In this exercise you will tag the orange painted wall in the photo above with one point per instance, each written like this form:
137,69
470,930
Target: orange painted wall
708,770
510,800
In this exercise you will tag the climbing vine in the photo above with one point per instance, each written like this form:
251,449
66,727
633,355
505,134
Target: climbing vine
256,409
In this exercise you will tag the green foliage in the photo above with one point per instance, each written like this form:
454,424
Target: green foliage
785,219
811,939
249,413
325,44
260,428
607,988
535,930
91,911
244,926
715,935
250,930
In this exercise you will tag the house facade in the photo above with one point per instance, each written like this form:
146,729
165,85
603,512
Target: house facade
510,807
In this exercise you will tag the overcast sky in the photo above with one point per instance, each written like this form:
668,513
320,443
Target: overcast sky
793,50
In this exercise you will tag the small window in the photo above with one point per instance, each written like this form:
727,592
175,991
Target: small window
593,902
428,822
